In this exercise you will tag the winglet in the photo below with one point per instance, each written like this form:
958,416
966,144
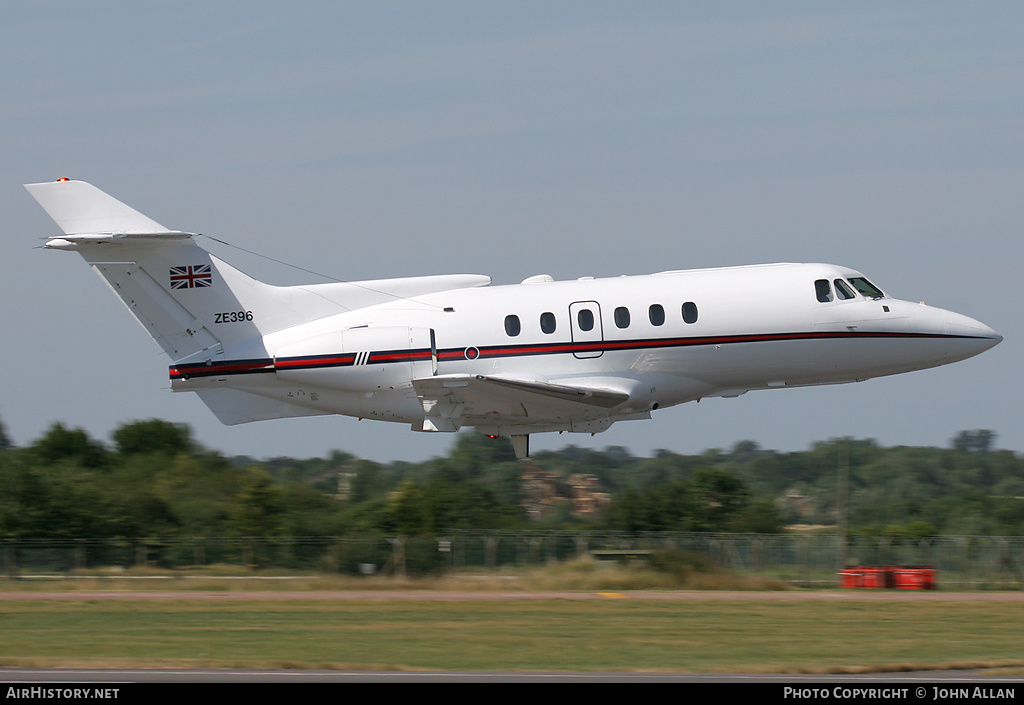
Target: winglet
80,208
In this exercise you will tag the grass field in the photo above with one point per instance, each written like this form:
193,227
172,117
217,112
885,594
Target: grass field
794,636
240,628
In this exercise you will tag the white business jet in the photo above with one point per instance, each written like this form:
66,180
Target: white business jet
444,352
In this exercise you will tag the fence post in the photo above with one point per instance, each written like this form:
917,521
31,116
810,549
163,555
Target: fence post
332,563
582,545
80,561
398,555
491,551
10,558
535,550
444,547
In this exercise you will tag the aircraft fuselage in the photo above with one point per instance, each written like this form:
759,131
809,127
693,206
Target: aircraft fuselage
660,339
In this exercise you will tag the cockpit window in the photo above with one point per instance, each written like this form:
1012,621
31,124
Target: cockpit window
866,288
823,290
843,290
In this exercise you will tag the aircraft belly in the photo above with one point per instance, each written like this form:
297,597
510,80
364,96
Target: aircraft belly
398,405
815,361
675,375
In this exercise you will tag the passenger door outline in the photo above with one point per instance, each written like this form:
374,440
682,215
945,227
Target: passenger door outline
593,336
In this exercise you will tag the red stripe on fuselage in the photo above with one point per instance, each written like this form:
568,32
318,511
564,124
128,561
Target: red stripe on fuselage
498,351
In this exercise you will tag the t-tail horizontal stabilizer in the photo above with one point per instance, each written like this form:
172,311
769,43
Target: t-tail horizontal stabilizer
80,208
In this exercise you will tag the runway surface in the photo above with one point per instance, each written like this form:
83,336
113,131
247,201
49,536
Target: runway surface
446,596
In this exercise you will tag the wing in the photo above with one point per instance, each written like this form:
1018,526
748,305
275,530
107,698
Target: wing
506,405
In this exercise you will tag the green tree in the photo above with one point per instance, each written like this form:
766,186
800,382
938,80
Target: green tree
153,436
759,516
978,441
473,453
711,500
664,507
23,498
465,505
201,489
60,444
258,510
369,480
409,510
310,512
718,497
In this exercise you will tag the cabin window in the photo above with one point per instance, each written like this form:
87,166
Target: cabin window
585,319
689,312
547,322
512,325
823,290
866,288
843,290
657,314
622,317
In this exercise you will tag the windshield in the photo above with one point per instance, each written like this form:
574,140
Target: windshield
866,288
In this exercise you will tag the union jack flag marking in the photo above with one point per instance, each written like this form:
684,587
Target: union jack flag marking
191,277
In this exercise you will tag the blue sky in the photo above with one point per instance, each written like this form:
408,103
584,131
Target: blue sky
376,139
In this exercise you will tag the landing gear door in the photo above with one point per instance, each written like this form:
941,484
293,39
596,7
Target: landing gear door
586,327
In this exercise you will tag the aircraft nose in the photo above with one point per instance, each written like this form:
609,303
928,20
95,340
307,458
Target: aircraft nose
967,336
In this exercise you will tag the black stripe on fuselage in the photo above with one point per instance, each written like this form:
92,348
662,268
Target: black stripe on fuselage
305,362
495,351
222,367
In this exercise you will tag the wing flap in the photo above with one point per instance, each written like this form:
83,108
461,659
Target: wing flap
604,398
451,401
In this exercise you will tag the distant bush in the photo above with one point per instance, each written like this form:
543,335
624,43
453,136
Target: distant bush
681,564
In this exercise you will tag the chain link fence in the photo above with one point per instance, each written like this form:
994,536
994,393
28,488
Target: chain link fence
962,562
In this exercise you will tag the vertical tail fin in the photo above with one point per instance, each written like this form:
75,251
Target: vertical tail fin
187,299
